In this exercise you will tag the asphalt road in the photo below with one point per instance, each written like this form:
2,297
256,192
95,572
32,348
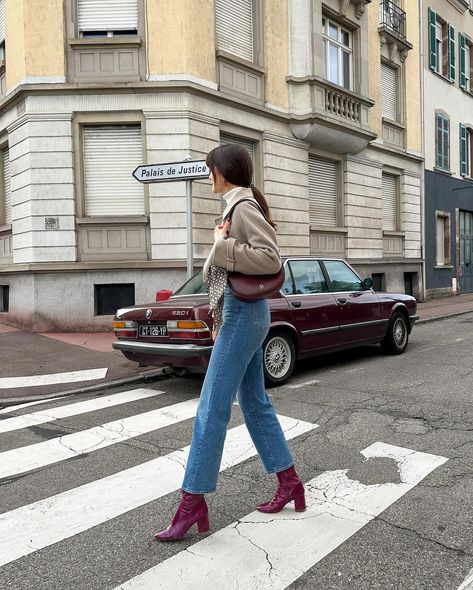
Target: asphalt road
401,519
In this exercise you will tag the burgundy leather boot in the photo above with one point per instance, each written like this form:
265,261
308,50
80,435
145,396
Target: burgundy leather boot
290,488
192,509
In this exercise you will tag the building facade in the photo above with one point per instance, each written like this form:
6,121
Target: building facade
324,95
448,132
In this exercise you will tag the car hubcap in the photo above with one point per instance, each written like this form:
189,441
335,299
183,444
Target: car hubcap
277,357
399,333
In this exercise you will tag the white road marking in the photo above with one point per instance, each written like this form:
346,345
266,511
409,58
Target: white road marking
297,385
35,526
72,445
52,379
270,551
467,584
10,409
91,405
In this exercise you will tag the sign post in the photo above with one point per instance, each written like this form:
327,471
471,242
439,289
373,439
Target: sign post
187,170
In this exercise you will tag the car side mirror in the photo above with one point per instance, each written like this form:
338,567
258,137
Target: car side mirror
367,283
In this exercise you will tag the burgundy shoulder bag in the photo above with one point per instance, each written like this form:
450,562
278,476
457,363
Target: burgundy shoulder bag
254,287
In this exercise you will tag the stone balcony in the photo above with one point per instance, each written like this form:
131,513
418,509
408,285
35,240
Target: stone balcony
338,119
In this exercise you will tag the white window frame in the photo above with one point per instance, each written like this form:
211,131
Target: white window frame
341,48
468,64
439,46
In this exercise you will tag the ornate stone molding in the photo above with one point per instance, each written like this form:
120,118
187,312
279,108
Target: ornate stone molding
360,6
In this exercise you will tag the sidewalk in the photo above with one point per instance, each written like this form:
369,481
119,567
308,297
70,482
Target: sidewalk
38,366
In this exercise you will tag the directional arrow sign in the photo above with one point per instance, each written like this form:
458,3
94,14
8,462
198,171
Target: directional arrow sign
187,170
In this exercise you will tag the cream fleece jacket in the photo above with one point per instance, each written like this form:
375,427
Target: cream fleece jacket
251,245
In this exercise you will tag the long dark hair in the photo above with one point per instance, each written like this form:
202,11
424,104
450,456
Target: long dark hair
234,164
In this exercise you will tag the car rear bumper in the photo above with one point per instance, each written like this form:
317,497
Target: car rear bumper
163,350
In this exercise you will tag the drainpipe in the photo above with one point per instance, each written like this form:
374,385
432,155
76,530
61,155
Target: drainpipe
422,129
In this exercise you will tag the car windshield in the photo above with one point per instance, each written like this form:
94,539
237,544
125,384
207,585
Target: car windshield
194,286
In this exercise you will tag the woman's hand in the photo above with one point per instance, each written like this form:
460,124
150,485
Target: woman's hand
221,231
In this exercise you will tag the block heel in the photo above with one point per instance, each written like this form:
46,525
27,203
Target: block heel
203,525
299,503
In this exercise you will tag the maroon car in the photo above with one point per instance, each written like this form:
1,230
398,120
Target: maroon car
322,307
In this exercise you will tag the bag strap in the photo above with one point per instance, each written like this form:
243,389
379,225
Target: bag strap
252,201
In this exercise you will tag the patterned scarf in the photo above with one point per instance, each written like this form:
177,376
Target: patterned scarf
216,282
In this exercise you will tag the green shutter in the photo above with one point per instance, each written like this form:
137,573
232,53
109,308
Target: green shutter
463,150
451,52
462,59
432,44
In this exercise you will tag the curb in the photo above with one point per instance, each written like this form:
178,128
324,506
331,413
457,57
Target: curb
143,377
443,317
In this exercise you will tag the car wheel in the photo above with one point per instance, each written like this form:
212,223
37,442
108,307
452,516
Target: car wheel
397,336
279,357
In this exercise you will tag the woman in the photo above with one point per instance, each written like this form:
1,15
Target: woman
245,243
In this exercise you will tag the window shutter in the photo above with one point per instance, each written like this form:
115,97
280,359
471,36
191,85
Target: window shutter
451,52
234,23
389,92
7,186
323,192
246,143
463,150
389,202
462,60
107,15
2,21
432,42
111,153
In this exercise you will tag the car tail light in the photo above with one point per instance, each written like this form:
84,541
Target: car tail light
189,329
125,329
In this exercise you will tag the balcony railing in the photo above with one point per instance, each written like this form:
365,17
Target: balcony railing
393,18
340,104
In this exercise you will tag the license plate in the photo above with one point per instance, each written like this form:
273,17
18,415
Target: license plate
153,331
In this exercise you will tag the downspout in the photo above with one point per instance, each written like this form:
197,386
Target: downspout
422,130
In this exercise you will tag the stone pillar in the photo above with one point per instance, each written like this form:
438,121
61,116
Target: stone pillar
43,204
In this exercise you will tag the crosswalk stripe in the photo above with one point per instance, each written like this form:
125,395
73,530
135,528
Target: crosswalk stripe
65,447
40,524
10,409
91,405
53,378
271,551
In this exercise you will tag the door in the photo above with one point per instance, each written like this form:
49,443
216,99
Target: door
359,309
313,308
466,252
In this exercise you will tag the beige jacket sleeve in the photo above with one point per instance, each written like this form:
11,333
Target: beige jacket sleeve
251,246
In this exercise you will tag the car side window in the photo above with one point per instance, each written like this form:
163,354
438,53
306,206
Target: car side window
342,277
308,277
287,288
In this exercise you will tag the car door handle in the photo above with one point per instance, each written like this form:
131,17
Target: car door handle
341,300
296,304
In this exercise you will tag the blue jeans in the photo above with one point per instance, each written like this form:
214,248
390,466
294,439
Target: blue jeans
235,370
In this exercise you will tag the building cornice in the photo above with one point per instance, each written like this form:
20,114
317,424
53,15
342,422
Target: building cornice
62,267
461,5
19,94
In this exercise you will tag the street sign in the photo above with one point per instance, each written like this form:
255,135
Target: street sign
187,170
